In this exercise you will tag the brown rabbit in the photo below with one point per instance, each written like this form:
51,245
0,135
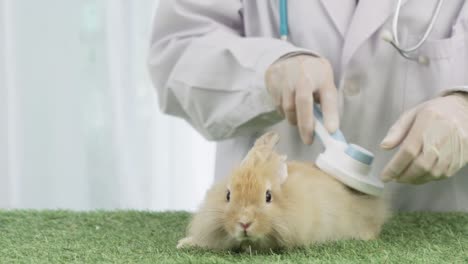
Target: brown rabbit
267,203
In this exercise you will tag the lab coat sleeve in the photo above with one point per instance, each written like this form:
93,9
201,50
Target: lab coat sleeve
456,89
207,73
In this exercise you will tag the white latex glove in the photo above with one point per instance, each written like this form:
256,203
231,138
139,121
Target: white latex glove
433,138
294,82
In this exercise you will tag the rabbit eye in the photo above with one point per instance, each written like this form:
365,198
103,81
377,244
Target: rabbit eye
268,196
228,196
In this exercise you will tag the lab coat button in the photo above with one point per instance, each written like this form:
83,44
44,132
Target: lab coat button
351,88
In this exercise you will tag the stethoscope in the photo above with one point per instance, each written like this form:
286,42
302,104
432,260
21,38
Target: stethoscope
391,37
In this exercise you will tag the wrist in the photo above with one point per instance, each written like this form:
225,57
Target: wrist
296,54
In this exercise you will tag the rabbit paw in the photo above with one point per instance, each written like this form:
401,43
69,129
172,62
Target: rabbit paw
185,242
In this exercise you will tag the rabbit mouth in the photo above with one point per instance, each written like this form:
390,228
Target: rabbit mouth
244,235
247,236
246,239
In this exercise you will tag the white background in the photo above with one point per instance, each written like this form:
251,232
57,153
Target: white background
79,123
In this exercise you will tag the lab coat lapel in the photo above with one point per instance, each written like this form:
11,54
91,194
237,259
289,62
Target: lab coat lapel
370,15
340,13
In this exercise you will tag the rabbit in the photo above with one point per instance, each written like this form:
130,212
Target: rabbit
268,203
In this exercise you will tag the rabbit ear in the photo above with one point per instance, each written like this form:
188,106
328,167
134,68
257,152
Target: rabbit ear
264,151
283,169
269,140
262,148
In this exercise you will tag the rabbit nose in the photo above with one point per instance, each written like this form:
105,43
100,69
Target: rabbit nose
245,225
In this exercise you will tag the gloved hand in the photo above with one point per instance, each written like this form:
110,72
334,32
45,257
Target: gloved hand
294,82
433,138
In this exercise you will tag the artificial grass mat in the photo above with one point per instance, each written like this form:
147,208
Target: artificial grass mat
144,237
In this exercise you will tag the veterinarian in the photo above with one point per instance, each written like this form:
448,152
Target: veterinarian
235,69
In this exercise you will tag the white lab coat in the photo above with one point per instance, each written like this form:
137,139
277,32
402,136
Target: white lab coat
208,58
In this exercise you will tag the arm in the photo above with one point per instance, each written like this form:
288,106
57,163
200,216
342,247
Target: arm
207,73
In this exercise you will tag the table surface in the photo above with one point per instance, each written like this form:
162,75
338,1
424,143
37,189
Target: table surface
148,237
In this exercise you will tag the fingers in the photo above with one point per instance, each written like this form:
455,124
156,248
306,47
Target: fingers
293,81
409,150
423,179
289,105
399,163
436,160
451,150
412,173
399,130
329,103
440,169
304,109
327,94
420,170
442,145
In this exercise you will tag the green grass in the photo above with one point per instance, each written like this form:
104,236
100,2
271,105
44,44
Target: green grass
142,237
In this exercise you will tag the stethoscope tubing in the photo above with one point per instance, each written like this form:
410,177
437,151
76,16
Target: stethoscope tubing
426,33
394,41
284,28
